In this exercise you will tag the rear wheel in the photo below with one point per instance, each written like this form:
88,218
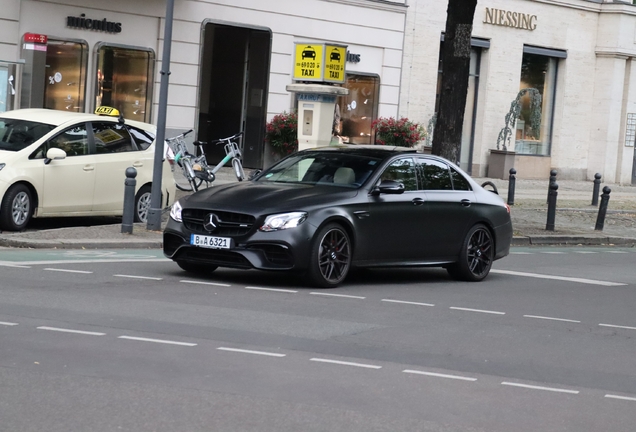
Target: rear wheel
476,256
238,169
16,209
196,268
330,257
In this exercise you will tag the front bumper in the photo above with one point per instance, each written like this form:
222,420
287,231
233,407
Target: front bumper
278,250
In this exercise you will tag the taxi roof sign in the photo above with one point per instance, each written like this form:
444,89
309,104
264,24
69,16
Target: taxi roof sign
107,111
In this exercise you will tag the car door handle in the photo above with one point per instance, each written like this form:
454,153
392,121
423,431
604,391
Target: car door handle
466,203
418,201
89,167
138,164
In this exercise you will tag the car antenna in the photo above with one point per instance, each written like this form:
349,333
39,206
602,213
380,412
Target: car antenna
121,120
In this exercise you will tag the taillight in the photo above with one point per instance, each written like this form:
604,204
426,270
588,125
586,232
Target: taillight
507,208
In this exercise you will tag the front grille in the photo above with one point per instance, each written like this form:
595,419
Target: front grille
229,224
214,256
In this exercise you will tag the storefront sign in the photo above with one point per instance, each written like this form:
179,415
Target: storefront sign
81,22
353,58
504,18
319,62
35,38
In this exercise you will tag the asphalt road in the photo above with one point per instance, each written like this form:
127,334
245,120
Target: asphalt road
124,340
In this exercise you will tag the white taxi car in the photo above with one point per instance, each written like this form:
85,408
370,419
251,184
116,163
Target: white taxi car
57,163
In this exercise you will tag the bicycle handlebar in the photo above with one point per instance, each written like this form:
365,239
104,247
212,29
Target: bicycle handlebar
179,136
220,140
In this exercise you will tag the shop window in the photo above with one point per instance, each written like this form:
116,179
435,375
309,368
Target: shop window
537,91
124,80
7,89
65,75
356,111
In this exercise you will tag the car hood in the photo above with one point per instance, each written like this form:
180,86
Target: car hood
261,198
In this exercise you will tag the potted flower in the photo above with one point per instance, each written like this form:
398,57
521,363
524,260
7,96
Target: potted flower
281,133
397,132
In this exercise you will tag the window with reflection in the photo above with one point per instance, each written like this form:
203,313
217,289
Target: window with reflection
124,80
356,111
403,171
537,89
435,175
65,77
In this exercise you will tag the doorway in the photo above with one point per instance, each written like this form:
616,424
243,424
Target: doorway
233,89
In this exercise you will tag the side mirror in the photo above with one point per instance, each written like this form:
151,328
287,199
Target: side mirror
254,174
54,154
389,187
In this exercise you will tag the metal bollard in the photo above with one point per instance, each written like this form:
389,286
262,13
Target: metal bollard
597,186
512,180
129,201
602,210
552,200
553,175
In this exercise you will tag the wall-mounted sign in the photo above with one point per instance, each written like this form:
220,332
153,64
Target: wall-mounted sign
353,58
81,22
335,59
319,62
35,38
505,18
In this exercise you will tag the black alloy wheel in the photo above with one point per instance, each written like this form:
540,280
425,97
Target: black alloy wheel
476,256
330,257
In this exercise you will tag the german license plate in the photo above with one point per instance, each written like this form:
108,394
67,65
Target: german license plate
210,242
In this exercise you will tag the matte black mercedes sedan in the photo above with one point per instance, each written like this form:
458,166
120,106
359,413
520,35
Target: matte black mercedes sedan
323,211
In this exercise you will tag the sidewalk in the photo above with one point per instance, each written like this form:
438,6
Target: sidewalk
574,222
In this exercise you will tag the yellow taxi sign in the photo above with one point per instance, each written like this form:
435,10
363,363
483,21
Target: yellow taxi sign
108,111
335,59
308,62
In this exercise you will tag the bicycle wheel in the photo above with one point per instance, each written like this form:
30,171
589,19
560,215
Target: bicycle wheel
185,179
238,169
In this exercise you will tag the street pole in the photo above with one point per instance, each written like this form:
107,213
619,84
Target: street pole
154,213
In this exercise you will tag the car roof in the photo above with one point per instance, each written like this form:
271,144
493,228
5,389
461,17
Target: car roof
57,117
375,151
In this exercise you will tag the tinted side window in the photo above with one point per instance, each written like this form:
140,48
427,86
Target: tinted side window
142,138
402,170
435,175
73,141
459,181
112,138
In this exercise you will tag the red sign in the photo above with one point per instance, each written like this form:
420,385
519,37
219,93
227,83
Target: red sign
35,38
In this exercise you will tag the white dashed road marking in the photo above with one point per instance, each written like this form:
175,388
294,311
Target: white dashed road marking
10,324
263,353
561,278
550,318
69,271
407,302
138,277
533,387
611,396
477,310
344,363
205,283
617,326
439,375
157,341
8,264
337,295
271,289
71,331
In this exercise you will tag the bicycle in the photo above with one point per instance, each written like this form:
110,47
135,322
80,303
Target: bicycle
196,170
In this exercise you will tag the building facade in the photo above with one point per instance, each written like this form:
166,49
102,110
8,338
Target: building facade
571,65
230,60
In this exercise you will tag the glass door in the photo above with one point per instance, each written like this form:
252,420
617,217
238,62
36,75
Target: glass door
65,76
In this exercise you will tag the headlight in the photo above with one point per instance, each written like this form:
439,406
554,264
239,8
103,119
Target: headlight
283,221
175,211
2,166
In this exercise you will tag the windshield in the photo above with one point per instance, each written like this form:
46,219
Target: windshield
339,169
17,134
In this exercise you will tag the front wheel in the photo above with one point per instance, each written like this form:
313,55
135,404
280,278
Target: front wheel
238,169
142,204
185,179
476,256
330,257
16,209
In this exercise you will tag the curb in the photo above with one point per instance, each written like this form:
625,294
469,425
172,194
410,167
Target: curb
572,240
81,244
